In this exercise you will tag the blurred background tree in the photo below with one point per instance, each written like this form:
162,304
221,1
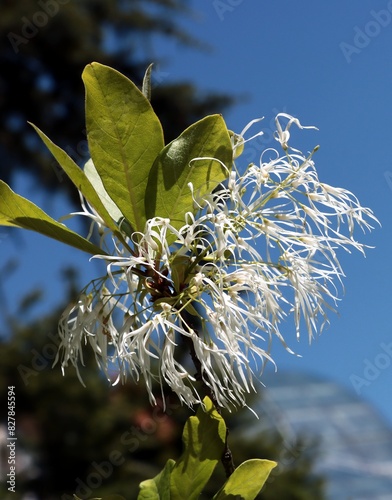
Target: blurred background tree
98,439
45,45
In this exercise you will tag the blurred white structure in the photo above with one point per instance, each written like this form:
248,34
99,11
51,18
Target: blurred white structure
355,442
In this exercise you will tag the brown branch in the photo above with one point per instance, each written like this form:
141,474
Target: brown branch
227,456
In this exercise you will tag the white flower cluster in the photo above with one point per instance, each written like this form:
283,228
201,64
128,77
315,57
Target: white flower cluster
261,247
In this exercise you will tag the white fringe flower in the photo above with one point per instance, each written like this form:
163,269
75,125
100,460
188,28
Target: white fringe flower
262,247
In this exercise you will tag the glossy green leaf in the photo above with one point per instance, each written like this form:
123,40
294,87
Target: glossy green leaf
204,437
124,137
168,193
246,481
96,181
81,181
19,212
157,488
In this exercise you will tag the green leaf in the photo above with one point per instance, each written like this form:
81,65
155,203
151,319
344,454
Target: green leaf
238,144
168,193
179,267
18,212
157,488
95,180
204,438
81,180
246,481
124,137
146,87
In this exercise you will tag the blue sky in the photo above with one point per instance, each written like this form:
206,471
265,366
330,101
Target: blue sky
330,65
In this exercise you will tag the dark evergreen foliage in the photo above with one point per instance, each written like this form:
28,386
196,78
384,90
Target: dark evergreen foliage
44,46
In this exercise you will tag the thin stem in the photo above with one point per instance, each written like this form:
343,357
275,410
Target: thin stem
227,456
